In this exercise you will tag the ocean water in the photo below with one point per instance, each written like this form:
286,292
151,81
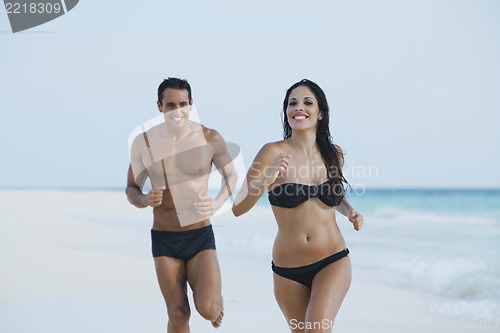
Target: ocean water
444,244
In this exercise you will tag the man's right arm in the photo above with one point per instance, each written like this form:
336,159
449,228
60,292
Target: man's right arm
136,176
134,192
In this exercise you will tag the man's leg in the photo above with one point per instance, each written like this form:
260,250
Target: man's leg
171,275
203,275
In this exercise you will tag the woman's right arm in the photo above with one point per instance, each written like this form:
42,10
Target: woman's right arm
266,167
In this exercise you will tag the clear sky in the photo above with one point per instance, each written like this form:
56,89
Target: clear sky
414,86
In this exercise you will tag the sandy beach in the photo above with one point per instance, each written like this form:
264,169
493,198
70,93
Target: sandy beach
80,261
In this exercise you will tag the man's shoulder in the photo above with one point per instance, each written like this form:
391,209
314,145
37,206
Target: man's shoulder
141,137
155,130
144,139
211,135
139,141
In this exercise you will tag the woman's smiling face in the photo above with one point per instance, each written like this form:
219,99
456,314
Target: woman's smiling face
302,110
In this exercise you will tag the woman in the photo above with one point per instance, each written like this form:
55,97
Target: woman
303,174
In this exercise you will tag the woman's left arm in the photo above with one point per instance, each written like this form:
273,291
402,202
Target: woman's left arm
354,217
345,207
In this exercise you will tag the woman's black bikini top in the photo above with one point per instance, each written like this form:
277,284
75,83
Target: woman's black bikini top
290,195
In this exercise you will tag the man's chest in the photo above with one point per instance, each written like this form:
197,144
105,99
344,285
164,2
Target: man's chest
179,167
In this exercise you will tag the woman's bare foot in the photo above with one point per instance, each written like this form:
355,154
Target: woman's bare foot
217,321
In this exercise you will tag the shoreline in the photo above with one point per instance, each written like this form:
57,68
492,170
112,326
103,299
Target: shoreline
81,261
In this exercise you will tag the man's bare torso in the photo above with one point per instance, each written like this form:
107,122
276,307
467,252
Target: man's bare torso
181,166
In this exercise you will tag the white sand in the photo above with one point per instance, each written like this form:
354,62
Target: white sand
80,262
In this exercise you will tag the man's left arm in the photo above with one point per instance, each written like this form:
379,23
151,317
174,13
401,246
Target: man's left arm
223,161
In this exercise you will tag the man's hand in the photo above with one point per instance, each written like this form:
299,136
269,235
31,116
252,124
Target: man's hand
154,198
206,206
356,219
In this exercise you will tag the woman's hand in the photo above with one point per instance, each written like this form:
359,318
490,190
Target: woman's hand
154,197
206,206
277,168
356,219
268,165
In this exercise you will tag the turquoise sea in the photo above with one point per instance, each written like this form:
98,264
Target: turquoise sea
442,243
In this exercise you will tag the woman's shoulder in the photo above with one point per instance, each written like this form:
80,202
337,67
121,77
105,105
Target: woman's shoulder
270,150
275,147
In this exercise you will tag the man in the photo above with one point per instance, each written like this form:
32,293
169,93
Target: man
177,157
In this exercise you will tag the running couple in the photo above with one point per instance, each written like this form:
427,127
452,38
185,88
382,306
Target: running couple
312,271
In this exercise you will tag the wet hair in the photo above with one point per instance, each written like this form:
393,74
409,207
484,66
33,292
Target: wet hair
331,156
173,83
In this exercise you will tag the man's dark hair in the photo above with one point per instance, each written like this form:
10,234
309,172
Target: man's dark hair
173,83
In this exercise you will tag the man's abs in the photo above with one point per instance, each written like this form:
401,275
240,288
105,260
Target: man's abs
177,211
168,219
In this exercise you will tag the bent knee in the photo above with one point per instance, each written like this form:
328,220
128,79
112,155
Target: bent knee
209,309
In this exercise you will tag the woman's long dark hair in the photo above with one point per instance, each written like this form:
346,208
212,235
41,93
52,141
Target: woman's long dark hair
331,156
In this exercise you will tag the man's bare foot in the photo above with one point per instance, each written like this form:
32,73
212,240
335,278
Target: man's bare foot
217,321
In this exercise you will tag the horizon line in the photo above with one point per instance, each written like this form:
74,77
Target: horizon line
117,188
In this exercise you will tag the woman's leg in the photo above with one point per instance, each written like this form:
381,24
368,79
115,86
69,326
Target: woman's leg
292,298
328,290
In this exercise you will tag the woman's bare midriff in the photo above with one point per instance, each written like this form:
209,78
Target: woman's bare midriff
306,234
